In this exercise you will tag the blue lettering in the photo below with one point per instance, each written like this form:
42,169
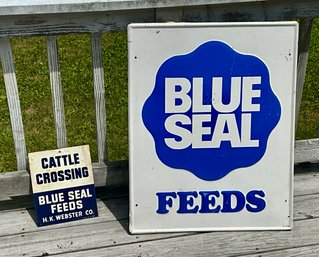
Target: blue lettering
164,199
186,200
255,198
57,158
208,201
44,163
78,172
52,163
227,201
60,175
38,179
67,175
85,172
46,177
60,160
54,177
76,158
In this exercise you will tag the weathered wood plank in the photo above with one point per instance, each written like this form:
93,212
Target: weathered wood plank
306,198
57,24
21,220
307,150
15,7
238,243
56,91
82,235
306,183
305,27
14,183
115,174
169,14
97,21
306,204
308,250
13,103
113,240
286,7
306,207
107,235
99,96
196,13
264,11
239,13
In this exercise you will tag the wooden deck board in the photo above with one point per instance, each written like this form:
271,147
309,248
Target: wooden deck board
304,234
309,251
108,234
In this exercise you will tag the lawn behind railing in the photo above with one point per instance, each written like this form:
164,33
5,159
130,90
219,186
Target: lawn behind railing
308,125
30,58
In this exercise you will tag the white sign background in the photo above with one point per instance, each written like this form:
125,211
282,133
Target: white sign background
84,161
149,46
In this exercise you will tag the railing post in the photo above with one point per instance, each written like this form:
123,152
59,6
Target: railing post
13,103
99,96
305,26
56,91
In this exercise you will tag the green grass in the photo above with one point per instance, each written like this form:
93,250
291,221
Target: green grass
309,111
77,81
75,60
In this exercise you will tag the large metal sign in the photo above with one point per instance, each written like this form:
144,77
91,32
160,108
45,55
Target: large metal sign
63,185
211,113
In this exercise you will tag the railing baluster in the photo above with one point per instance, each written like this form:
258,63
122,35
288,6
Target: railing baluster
99,96
56,91
13,103
303,53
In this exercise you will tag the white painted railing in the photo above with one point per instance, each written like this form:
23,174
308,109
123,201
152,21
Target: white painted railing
55,17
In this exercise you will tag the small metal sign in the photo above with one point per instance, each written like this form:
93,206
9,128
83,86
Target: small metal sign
211,124
63,185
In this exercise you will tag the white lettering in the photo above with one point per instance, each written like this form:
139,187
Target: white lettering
226,130
198,105
217,89
172,95
205,129
172,127
199,130
249,93
246,131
